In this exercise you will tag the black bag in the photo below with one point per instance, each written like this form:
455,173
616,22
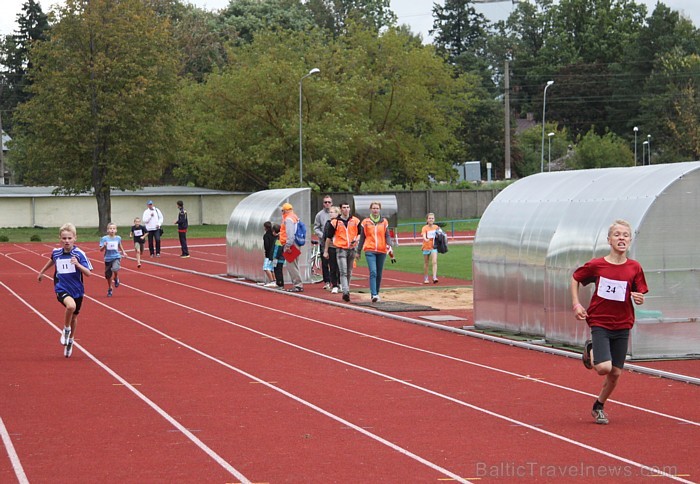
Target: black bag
440,242
161,231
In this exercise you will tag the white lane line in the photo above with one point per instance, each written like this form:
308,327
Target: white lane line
422,350
645,469
206,449
649,470
14,458
322,411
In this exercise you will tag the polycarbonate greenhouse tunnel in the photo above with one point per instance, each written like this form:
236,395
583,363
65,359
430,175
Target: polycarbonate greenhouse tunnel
538,230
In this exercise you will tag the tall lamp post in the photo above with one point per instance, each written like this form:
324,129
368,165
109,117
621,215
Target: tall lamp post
544,107
644,146
313,71
549,153
649,147
635,145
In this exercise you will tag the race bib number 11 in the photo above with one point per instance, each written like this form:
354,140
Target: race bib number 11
63,266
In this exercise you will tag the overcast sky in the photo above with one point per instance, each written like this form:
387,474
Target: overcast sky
416,13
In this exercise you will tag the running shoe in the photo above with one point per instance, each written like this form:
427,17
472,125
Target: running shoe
296,289
139,266
116,282
586,356
599,416
185,256
334,290
109,293
346,296
65,335
157,255
426,281
376,298
68,349
327,286
435,281
270,284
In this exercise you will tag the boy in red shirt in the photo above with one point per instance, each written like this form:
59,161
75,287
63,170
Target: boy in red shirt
619,281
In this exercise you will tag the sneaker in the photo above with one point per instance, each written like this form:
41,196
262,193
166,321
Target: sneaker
327,286
68,349
157,255
599,416
296,289
334,290
270,284
109,293
346,296
185,256
586,356
376,298
426,281
138,265
435,281
65,335
116,282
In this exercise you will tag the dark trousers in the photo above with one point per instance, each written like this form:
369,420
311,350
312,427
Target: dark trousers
154,234
279,274
333,270
183,243
326,264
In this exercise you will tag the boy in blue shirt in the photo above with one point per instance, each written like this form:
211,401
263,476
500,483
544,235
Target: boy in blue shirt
71,265
111,245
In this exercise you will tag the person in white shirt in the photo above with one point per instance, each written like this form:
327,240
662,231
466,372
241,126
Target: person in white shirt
153,220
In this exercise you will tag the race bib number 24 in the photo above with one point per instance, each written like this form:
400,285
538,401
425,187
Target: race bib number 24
611,289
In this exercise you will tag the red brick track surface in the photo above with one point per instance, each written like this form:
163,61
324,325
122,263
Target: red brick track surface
181,377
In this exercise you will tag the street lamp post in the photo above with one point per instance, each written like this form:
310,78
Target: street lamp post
313,71
635,145
644,147
544,107
549,153
649,148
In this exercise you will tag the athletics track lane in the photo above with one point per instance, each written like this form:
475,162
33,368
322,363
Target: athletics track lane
444,431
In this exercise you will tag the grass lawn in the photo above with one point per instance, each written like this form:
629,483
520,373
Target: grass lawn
457,262
50,234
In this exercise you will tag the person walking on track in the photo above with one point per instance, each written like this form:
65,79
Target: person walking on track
619,281
322,217
287,230
376,242
343,231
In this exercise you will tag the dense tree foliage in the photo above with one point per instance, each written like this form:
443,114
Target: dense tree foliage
99,116
384,109
14,59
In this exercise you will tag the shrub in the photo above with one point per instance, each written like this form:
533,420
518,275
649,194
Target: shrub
35,238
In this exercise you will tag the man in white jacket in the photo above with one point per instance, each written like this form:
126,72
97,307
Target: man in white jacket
153,220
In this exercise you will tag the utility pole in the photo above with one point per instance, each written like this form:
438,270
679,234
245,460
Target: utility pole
2,143
507,121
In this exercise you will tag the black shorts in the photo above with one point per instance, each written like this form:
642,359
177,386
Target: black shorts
78,301
610,345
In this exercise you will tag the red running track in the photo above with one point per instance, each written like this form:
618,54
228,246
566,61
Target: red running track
186,378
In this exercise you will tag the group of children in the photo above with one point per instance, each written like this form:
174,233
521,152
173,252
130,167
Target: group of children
273,265
619,283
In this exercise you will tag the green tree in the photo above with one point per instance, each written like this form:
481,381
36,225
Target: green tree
594,151
382,107
337,15
14,59
100,116
247,17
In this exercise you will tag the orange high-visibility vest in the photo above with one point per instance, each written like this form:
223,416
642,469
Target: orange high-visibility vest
375,235
345,237
283,227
